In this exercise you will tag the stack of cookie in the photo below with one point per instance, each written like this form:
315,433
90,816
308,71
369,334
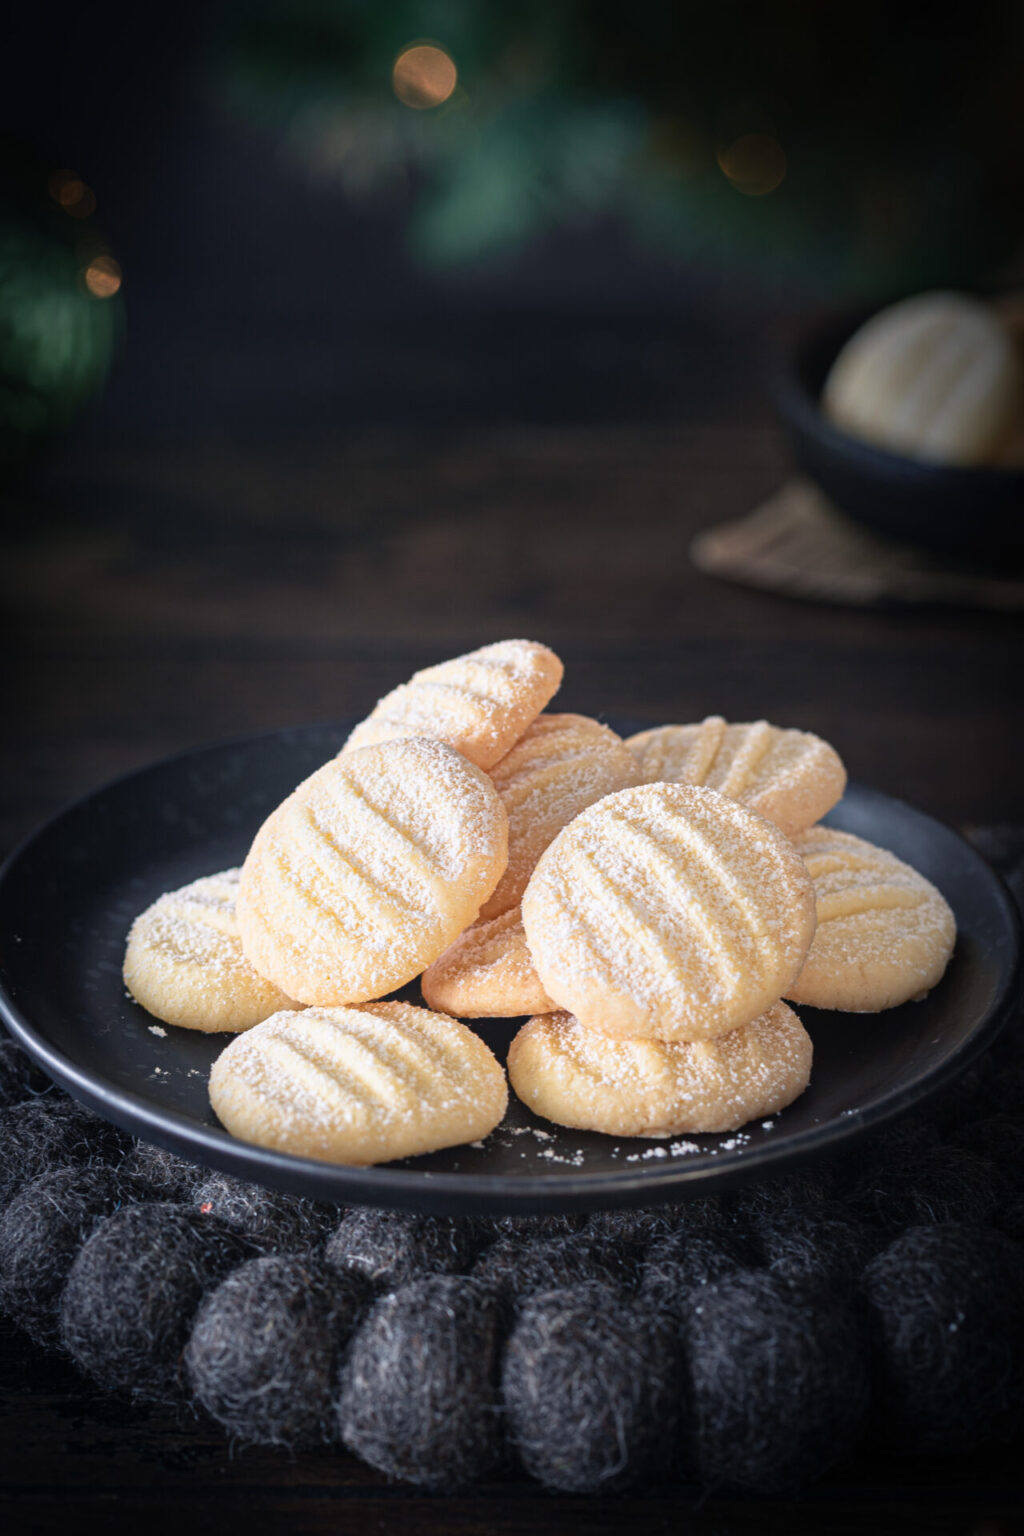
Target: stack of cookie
662,927
647,901
669,922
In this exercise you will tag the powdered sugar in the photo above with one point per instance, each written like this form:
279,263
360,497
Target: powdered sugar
791,777
884,933
184,960
480,703
668,911
487,973
358,1085
573,1076
369,869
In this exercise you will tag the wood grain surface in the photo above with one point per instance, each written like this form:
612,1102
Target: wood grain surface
162,595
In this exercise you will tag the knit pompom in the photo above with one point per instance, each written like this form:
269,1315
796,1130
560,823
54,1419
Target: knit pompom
1000,1138
927,1183
635,1228
271,1219
389,1248
681,1262
41,1134
779,1384
133,1290
263,1354
592,1387
41,1232
556,1225
947,1312
20,1078
801,1190
419,1386
156,1174
826,1243
514,1269
703,1211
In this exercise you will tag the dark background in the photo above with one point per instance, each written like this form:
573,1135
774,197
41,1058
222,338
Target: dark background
329,450
600,263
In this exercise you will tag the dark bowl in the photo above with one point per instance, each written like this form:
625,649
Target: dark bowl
966,511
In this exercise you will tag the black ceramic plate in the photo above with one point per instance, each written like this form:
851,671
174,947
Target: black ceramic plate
68,895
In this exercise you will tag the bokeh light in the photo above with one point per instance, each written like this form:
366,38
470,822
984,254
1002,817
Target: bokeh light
423,76
102,277
755,164
72,193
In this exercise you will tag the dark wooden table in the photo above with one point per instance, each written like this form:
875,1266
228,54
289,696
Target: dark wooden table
162,594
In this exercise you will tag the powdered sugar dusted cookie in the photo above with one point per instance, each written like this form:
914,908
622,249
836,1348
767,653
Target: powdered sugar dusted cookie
184,962
791,777
369,870
562,764
480,703
567,1073
358,1085
669,912
935,376
884,935
487,973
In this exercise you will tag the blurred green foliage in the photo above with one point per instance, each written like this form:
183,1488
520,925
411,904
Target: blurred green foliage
57,339
899,138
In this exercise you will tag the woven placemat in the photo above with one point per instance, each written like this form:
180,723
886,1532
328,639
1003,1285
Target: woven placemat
798,543
747,1340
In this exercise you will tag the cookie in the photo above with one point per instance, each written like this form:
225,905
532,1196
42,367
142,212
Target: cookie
884,935
480,703
562,764
935,376
369,870
184,961
358,1085
487,973
567,1073
669,912
791,777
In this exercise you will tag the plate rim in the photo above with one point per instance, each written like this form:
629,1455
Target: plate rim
482,1193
